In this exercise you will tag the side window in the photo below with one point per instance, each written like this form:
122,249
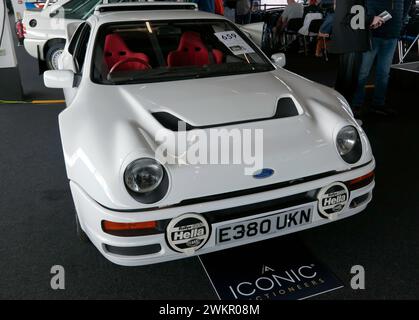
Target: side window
74,38
81,47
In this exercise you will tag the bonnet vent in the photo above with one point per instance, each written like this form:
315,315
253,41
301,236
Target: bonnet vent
285,108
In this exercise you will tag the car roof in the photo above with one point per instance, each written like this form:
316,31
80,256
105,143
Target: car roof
154,15
157,13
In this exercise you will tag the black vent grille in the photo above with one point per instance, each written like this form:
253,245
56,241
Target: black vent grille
285,108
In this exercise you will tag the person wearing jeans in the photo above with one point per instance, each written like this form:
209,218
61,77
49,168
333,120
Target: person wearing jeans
384,43
349,44
382,50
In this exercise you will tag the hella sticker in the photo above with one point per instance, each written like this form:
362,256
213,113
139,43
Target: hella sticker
333,200
187,233
263,173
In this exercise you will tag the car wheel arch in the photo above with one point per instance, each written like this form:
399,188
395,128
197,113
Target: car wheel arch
51,42
58,43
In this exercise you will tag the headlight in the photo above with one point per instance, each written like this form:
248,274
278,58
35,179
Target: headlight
146,180
143,175
349,144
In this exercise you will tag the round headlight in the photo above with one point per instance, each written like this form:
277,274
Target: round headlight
349,144
143,175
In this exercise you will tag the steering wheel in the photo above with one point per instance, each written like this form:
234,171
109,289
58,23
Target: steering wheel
126,60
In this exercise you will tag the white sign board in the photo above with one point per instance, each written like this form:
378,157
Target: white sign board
234,42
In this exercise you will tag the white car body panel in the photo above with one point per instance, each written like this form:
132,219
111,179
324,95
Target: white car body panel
254,31
102,135
311,132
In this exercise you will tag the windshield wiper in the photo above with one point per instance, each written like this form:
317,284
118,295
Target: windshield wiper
150,74
130,76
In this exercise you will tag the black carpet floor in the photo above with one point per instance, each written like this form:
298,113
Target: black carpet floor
37,227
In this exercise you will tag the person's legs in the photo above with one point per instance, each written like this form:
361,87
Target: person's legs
356,67
364,71
384,61
247,18
243,19
352,63
277,30
344,75
319,47
347,77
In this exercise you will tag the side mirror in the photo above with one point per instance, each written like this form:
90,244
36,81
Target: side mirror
279,59
61,79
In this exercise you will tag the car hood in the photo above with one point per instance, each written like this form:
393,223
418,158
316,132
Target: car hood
213,101
102,135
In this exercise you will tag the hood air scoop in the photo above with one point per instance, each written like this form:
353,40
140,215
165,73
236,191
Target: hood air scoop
285,108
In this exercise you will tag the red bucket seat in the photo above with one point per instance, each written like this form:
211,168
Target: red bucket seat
192,52
116,50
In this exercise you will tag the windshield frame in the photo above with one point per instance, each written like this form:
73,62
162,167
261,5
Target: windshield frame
234,27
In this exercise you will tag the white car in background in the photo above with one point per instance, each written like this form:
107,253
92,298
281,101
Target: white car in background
45,27
132,74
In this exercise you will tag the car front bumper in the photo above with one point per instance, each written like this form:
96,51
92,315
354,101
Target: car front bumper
149,249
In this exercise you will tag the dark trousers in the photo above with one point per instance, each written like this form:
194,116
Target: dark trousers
383,51
348,72
243,19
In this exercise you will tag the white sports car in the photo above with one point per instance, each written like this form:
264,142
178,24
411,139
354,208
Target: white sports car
145,85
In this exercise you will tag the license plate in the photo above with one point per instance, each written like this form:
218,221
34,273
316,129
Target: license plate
265,225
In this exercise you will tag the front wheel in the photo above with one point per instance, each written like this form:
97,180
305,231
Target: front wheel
53,54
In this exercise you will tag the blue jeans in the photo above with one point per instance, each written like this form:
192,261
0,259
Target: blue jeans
384,50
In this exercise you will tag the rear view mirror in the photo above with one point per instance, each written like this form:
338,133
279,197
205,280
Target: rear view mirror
279,59
61,79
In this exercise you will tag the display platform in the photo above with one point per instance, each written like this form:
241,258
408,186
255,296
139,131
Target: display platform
276,269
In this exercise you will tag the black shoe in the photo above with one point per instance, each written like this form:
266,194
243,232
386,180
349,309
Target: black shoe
383,111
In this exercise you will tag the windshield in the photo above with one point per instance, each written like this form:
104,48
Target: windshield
172,50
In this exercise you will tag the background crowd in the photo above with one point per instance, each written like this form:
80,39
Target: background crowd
372,44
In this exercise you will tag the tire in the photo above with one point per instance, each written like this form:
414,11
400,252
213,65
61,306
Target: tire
53,53
80,233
